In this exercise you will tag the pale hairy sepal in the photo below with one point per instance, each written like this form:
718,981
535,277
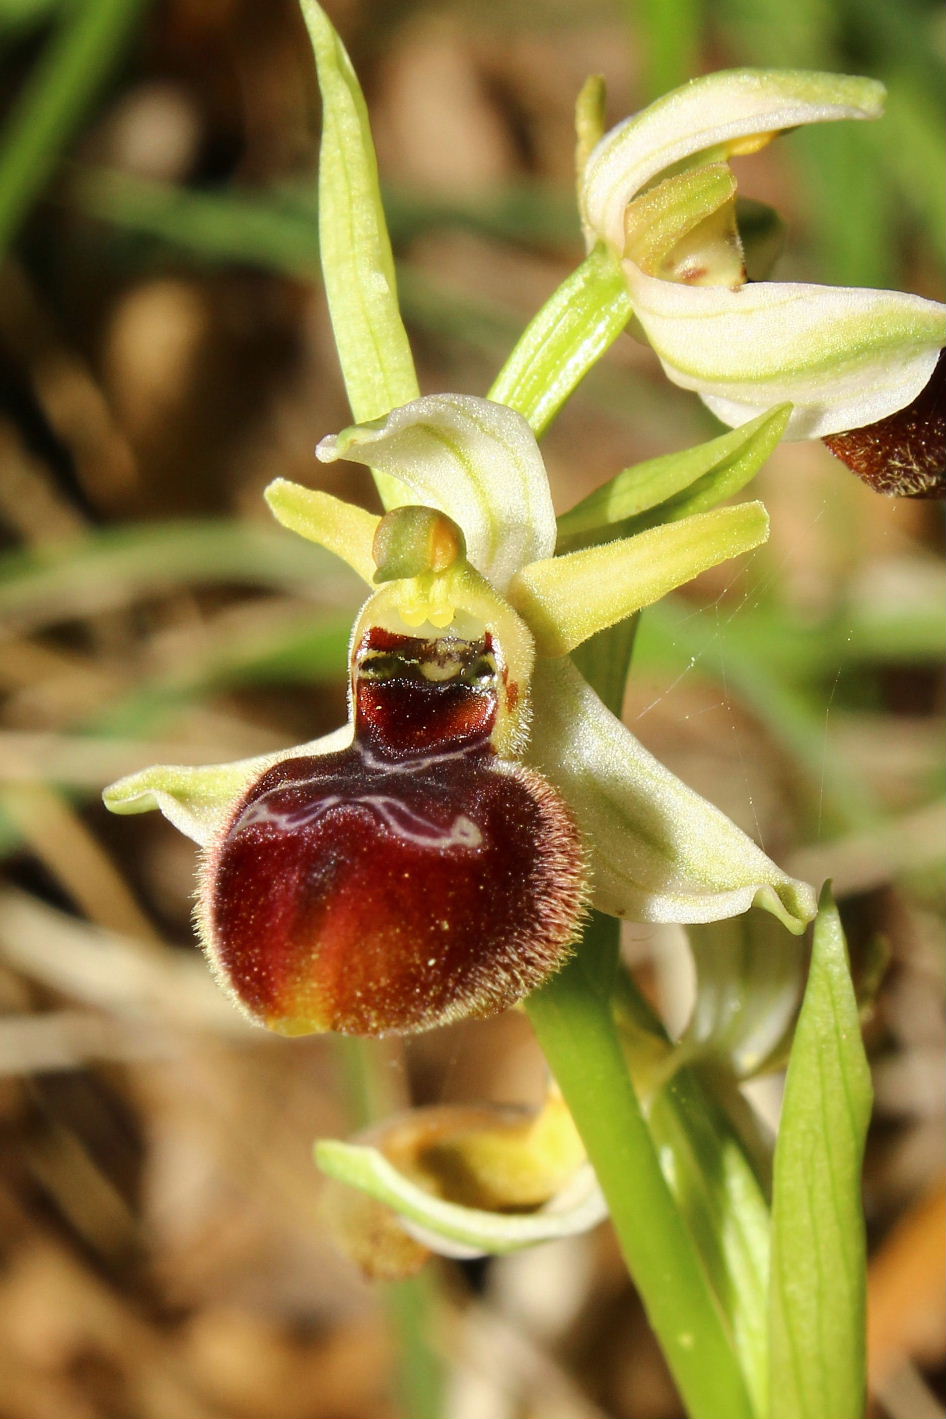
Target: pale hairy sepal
716,116
472,459
455,1230
197,800
566,599
659,852
843,357
341,528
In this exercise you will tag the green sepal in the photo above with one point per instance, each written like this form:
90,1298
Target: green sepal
473,459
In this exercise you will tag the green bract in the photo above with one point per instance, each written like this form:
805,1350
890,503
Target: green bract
657,191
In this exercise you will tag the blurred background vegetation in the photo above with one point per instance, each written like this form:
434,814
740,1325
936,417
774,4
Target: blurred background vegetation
164,353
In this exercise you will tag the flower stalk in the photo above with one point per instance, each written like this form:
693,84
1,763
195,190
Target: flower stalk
574,1023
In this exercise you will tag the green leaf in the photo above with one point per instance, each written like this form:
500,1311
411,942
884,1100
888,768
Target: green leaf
356,251
564,340
716,1161
723,1201
675,485
817,1288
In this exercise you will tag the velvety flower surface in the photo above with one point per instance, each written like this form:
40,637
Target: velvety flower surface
434,858
658,190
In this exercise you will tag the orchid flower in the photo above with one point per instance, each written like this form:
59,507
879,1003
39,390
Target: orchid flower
435,857
658,191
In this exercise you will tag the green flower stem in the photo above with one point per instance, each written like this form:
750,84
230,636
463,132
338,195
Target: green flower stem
561,343
72,68
412,1305
573,1020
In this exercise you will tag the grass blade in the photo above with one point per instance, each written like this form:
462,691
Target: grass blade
73,66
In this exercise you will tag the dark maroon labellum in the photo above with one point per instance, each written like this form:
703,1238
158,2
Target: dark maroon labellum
904,454
411,879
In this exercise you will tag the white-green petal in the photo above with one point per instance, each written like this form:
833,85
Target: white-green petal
448,1227
566,599
199,799
711,113
474,460
659,852
844,357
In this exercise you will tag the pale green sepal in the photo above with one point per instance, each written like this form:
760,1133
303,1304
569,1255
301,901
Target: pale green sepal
749,976
711,116
566,599
577,324
817,1294
844,357
354,245
448,1227
199,799
475,460
659,852
342,528
674,485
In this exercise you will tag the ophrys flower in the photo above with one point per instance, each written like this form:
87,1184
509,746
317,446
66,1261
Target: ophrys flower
433,859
